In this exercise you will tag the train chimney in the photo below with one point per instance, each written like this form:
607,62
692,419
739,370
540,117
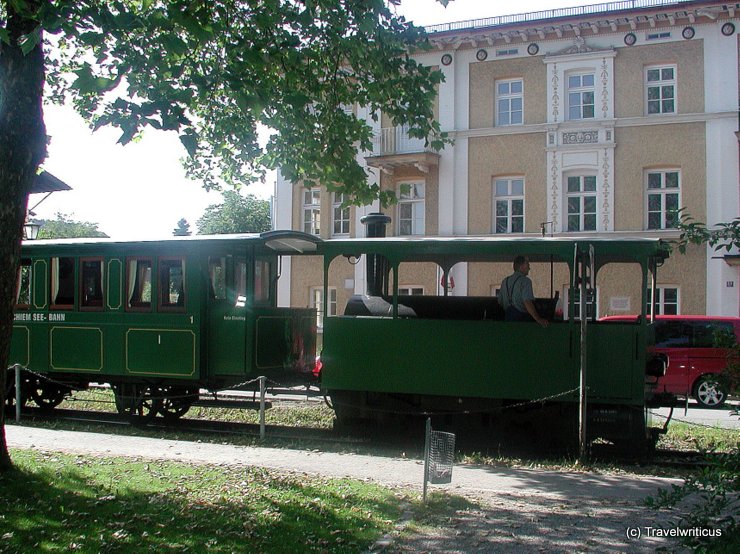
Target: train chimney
377,265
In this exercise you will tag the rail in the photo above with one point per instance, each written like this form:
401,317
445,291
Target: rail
550,14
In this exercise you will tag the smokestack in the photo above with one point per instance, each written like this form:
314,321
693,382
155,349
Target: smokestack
377,265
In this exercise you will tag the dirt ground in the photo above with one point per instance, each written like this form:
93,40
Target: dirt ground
485,509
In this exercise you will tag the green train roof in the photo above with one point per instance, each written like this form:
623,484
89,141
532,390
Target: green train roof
498,249
282,242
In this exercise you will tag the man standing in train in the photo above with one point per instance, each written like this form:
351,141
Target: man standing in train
516,295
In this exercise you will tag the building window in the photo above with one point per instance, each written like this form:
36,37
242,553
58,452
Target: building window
172,284
592,303
660,88
663,199
23,292
581,202
341,215
62,283
91,283
666,300
510,102
317,303
581,93
508,205
411,291
139,278
312,211
411,209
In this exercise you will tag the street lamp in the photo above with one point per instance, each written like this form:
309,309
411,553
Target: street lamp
31,230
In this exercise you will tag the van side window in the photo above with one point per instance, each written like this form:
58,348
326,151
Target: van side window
23,293
91,283
139,283
172,284
672,334
713,334
62,283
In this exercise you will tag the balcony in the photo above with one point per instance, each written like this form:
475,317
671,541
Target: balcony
393,147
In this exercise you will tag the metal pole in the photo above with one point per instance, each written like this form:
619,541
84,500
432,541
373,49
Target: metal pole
582,413
428,435
18,393
262,406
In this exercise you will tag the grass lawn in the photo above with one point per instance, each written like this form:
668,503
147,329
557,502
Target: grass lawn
62,503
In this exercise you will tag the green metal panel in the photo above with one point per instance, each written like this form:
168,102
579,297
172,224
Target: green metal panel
40,274
20,346
477,359
114,284
616,361
161,352
76,348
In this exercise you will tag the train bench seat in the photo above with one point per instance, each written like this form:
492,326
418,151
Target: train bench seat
427,307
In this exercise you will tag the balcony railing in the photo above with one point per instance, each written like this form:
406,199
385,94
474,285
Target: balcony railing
549,14
396,140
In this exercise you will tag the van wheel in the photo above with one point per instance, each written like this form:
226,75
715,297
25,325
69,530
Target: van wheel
709,392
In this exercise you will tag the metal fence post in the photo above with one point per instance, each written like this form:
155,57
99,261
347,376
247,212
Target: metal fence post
427,438
17,393
262,406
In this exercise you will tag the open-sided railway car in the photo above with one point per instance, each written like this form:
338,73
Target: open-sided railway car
389,354
157,320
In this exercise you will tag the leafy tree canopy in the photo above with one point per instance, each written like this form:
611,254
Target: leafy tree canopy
722,236
237,214
64,227
213,70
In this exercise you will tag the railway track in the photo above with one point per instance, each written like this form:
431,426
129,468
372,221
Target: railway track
677,459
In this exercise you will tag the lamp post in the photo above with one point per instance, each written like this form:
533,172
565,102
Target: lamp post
31,230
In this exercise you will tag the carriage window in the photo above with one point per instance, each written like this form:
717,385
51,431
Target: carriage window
240,283
262,281
62,283
217,277
23,297
172,283
139,277
91,283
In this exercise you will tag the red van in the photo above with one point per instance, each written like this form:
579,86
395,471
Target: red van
697,347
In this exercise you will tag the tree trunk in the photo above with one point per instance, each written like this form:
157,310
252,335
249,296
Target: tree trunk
22,149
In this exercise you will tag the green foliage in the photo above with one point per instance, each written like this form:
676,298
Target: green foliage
61,503
63,227
182,229
723,236
237,214
213,71
713,495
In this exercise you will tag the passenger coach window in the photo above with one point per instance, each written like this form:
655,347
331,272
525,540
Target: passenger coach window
240,283
217,276
91,283
139,283
23,296
62,283
172,284
262,281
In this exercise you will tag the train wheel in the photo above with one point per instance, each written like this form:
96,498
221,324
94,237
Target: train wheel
47,396
141,404
175,402
709,392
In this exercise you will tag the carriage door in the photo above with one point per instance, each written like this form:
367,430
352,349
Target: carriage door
227,315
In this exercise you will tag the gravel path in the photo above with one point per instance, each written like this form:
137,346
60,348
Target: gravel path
504,509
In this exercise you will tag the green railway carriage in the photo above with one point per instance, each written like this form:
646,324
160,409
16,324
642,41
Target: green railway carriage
390,354
157,320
